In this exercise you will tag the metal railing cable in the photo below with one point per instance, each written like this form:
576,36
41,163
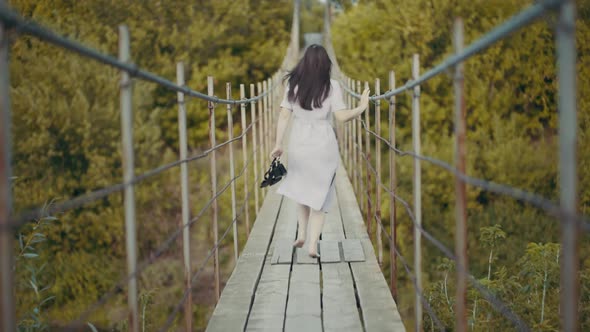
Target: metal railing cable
514,23
519,194
498,304
80,201
180,304
166,244
12,19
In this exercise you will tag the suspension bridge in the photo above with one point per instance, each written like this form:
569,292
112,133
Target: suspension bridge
273,287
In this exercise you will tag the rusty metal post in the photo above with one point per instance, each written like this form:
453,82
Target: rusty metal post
417,191
245,156
7,307
261,134
213,172
392,188
357,87
128,176
568,173
460,190
265,116
254,147
232,171
378,175
368,168
186,251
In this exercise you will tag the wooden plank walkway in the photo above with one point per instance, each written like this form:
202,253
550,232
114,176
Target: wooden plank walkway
261,295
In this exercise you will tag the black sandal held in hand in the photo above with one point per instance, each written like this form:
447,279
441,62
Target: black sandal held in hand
275,173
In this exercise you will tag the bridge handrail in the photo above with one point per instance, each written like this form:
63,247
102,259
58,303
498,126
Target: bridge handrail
12,19
566,211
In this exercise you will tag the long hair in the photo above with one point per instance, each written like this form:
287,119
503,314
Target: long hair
311,76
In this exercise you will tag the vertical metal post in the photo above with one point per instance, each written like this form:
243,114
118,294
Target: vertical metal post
271,114
232,170
368,168
346,133
265,116
378,175
355,155
392,188
7,309
351,146
128,176
213,171
261,135
254,147
359,137
460,190
417,190
188,307
568,174
245,156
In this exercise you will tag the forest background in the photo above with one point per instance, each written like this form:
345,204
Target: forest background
66,142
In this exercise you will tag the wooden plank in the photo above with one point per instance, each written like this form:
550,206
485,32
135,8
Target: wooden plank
303,257
283,251
304,312
377,305
353,250
330,251
268,309
231,312
339,303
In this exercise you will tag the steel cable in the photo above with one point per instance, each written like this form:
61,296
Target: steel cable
13,20
516,193
165,245
80,201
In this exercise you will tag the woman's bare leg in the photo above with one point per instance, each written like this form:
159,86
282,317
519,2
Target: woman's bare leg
316,221
302,219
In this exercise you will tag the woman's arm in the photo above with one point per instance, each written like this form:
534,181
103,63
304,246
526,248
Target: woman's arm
282,122
347,115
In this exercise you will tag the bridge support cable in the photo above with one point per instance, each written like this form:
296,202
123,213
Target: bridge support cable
568,175
7,300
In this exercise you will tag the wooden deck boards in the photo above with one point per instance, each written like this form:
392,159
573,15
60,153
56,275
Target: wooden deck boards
331,295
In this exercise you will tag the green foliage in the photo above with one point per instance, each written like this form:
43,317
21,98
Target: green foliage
511,139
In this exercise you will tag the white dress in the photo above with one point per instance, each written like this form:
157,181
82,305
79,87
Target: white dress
312,153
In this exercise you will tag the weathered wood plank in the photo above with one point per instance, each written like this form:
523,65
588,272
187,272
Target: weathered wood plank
231,312
377,305
339,303
330,251
304,312
283,251
303,257
268,309
353,250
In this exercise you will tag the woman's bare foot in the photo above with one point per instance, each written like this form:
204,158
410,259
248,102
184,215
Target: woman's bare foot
299,243
313,251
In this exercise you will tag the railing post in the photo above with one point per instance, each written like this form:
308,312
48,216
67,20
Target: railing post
128,176
213,172
245,157
261,137
368,168
265,116
350,145
182,139
354,154
460,190
271,114
568,175
392,188
254,147
359,137
232,170
417,190
378,173
7,309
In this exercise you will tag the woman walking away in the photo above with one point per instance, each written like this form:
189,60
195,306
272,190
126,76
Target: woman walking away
313,149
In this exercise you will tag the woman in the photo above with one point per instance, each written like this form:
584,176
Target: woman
313,149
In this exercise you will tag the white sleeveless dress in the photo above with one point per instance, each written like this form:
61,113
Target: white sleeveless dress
312,153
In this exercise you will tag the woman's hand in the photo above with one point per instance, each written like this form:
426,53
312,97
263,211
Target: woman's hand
277,151
365,99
